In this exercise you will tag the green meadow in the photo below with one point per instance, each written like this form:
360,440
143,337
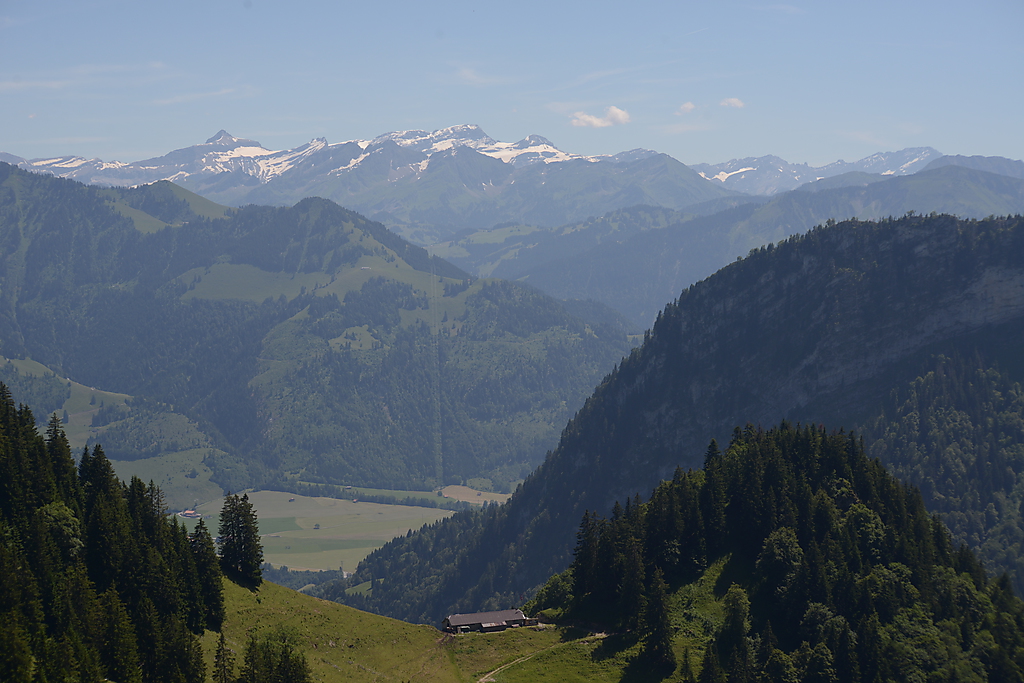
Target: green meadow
345,644
303,532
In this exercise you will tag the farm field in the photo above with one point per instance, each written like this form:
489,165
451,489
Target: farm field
452,492
302,532
469,495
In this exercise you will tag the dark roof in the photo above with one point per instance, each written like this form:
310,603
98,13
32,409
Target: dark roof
485,617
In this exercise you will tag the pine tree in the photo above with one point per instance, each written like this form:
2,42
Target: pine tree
273,659
119,652
223,663
210,577
241,553
585,563
711,669
632,601
658,623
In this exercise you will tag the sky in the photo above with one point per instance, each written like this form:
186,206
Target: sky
812,82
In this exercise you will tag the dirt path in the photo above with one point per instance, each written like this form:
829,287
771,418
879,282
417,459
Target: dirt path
489,676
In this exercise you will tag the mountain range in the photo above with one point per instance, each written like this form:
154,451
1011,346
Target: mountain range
635,259
425,185
429,186
770,175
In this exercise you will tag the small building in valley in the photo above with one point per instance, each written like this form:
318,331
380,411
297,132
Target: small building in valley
486,622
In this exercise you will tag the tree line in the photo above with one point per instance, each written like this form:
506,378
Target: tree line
830,570
98,582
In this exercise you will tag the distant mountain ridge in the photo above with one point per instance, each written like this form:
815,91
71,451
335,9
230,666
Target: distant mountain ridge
431,185
999,165
636,259
770,175
425,185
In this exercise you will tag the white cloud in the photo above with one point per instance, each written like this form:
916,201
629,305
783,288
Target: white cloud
612,116
733,102
686,108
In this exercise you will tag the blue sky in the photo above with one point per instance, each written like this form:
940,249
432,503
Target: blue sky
705,82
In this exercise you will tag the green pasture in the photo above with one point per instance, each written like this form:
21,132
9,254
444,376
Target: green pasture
171,472
341,644
347,531
246,282
83,403
143,221
201,205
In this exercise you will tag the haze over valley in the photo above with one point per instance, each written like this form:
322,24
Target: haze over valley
493,343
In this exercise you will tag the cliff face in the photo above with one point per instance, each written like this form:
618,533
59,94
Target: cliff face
818,328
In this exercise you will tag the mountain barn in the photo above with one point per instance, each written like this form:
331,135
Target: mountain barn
485,622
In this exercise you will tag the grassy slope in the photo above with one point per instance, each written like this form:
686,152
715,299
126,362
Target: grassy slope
340,643
344,644
697,614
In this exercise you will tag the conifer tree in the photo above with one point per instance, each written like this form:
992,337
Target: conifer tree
223,662
658,623
632,601
211,587
711,669
119,651
241,553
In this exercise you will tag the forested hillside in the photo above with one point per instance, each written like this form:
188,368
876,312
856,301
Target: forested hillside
819,328
95,582
278,345
827,568
957,433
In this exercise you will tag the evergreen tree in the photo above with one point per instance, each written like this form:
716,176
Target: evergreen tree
119,651
711,668
15,654
211,588
241,553
223,662
632,600
658,623
273,660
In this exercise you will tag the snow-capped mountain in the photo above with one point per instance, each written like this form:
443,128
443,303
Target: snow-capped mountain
425,184
429,185
224,153
770,175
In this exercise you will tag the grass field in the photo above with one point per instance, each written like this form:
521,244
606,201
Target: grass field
473,496
340,643
344,644
171,473
347,531
83,403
